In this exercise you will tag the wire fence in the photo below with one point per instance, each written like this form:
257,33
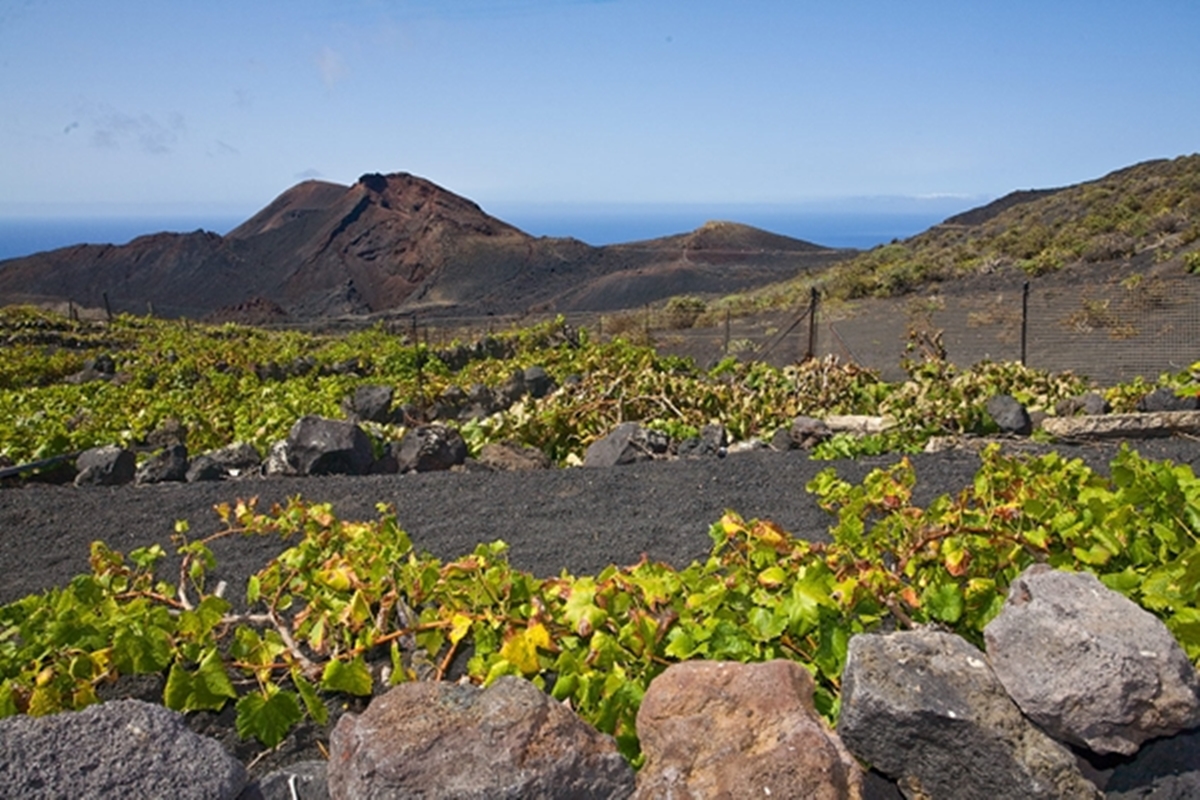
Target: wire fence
1110,332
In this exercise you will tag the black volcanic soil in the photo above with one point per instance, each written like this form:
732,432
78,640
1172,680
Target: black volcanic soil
575,519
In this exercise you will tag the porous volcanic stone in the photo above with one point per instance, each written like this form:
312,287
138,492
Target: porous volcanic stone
628,443
808,432
1009,415
511,457
924,708
109,465
371,402
429,448
511,741
168,465
1089,665
319,446
722,729
125,748
1165,399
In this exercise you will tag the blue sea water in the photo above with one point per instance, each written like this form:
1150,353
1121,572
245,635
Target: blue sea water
23,236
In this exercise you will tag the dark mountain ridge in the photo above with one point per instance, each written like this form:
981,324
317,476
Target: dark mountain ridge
397,243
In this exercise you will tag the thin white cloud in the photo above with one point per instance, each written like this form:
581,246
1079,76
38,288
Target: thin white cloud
330,65
114,130
308,174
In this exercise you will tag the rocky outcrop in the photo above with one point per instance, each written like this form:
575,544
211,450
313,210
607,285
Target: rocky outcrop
126,748
1088,665
721,729
925,708
448,740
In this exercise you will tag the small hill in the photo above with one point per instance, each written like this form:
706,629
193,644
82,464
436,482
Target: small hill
1147,215
395,243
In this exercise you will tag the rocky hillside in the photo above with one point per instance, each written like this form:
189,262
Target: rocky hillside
1148,214
396,243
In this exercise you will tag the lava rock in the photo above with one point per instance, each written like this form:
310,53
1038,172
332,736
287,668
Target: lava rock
169,465
109,465
372,403
429,448
319,446
1165,399
924,708
1009,415
124,748
723,729
511,741
512,457
1088,665
1091,404
628,443
808,432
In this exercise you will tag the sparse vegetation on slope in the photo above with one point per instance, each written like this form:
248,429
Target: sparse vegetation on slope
1150,210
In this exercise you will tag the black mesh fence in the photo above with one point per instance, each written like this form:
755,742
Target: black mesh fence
1109,331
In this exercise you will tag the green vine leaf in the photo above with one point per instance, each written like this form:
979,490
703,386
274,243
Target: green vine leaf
267,715
351,677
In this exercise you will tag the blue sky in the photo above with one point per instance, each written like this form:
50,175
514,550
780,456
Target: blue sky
216,107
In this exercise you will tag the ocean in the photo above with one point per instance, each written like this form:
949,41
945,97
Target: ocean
23,236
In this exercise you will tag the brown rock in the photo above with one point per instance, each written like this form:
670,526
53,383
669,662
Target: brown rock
447,740
713,729
513,457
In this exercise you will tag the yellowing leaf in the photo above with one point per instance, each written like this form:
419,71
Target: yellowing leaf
460,626
521,649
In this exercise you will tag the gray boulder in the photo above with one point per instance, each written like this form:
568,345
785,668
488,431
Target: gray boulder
320,446
712,441
1009,415
513,389
722,729
1091,404
372,403
125,748
109,465
168,465
232,461
537,382
1088,665
808,432
204,468
429,448
628,443
1165,399
511,741
924,708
